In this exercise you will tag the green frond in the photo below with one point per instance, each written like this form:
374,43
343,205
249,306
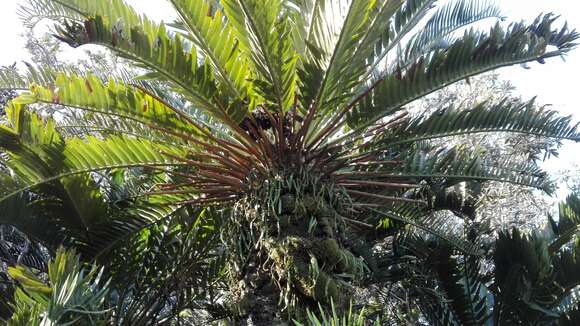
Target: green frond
332,317
505,116
13,78
316,30
427,222
118,27
73,294
318,24
569,213
86,199
265,36
38,156
93,154
19,213
363,27
470,55
407,17
568,225
567,269
301,13
113,98
151,47
112,234
462,286
457,165
447,19
521,259
68,206
182,249
447,285
212,34
115,10
81,124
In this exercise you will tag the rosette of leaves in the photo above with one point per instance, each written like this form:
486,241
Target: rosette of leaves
284,118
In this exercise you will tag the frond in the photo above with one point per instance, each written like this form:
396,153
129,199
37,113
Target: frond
61,203
20,213
567,270
212,34
76,123
318,25
332,317
457,165
408,16
523,278
116,99
265,36
39,156
364,25
462,286
427,222
13,78
182,249
568,222
505,116
115,10
72,294
470,55
445,21
118,27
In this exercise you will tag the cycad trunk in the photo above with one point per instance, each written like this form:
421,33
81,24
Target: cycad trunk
289,247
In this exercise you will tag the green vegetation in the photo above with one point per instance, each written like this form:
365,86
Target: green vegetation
258,166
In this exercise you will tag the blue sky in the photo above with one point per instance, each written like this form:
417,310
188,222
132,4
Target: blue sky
555,83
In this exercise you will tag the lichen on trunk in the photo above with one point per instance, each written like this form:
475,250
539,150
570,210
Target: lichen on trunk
288,246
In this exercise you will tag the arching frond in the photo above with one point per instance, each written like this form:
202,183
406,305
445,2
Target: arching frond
115,11
150,46
39,156
430,223
457,165
212,34
407,17
118,27
113,98
568,225
13,78
267,40
505,116
318,24
445,21
364,25
472,54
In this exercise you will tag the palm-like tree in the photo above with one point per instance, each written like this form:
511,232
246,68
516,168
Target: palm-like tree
279,125
528,279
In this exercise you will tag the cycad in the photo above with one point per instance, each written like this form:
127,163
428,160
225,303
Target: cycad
286,118
73,295
529,279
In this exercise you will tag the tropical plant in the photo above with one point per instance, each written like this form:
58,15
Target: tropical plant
72,295
283,134
524,279
503,205
335,319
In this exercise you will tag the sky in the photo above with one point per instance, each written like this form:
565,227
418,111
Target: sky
555,83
